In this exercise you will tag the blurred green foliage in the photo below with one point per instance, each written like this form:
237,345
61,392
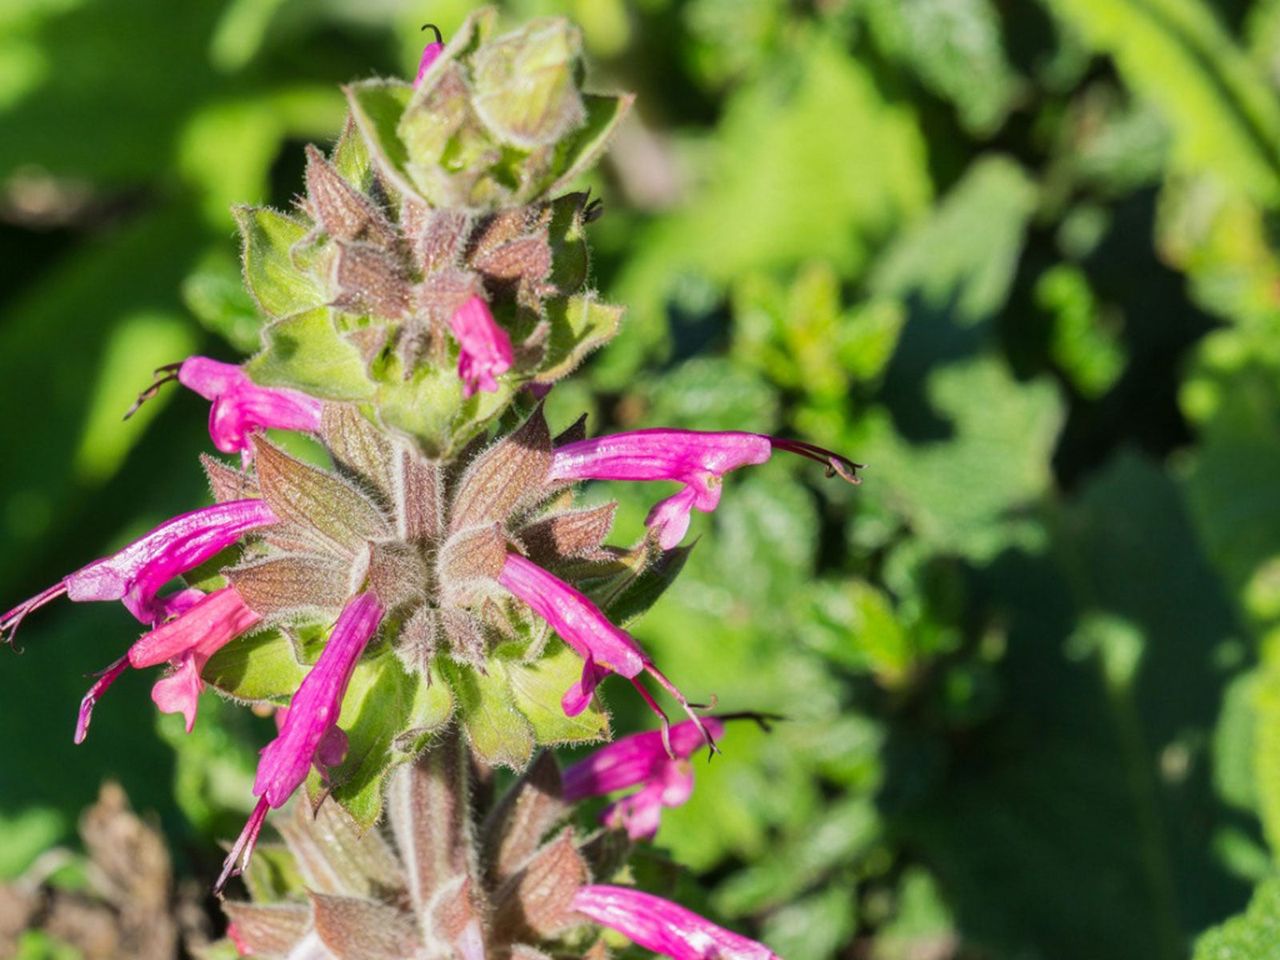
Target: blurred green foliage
1019,257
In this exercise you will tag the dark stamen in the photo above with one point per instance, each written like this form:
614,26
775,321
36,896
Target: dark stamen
679,697
436,30
170,373
10,622
764,721
836,464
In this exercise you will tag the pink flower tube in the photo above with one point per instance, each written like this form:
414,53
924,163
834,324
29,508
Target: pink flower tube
641,759
604,648
135,574
429,53
241,407
665,927
203,625
484,349
310,732
696,459
187,643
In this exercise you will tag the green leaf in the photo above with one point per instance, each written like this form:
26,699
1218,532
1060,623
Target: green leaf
305,352
812,189
966,492
570,259
378,707
956,48
1178,55
215,293
497,731
628,595
580,152
962,259
817,925
377,106
537,688
278,283
579,325
431,408
1251,936
259,668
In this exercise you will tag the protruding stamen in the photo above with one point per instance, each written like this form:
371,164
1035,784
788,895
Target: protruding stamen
10,622
243,849
764,721
685,705
105,679
434,29
836,464
165,374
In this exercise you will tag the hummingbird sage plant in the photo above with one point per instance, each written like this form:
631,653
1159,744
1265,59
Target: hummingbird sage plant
433,602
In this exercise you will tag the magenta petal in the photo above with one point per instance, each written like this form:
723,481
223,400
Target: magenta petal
315,706
100,686
665,927
659,454
640,814
180,691
241,407
243,848
333,748
484,348
429,54
578,697
207,626
136,573
10,622
669,518
635,759
576,619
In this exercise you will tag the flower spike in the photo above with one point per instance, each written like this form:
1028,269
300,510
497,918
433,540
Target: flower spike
697,459
309,733
135,574
664,927
604,647
665,779
484,348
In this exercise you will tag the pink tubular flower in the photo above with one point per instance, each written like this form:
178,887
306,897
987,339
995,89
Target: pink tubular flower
603,647
241,407
696,459
202,625
135,574
665,780
309,733
429,53
484,347
188,642
664,927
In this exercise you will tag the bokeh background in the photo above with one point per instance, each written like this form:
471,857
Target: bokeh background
1017,255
